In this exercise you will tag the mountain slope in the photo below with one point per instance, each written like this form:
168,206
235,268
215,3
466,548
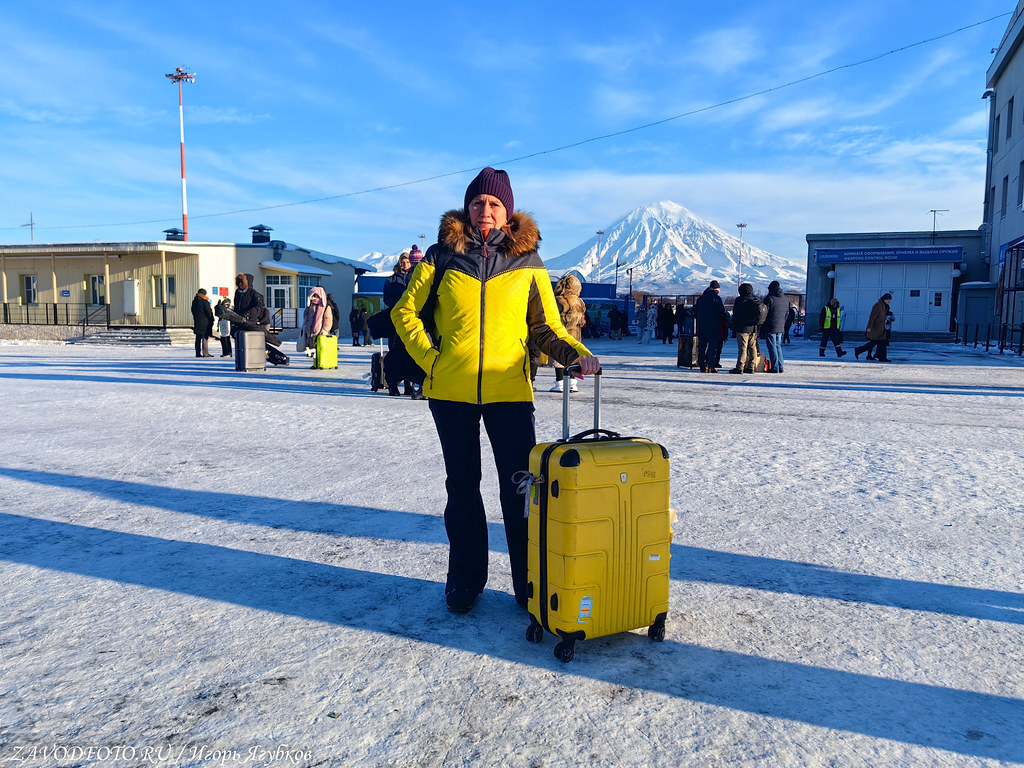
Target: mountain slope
670,250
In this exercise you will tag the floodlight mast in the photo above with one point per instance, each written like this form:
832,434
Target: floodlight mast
178,76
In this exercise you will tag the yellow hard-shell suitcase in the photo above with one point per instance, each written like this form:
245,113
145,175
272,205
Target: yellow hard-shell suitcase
599,535
326,352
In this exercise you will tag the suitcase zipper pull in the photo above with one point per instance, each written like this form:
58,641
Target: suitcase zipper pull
526,484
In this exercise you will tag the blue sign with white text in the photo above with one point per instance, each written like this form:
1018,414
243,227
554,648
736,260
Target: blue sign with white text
876,255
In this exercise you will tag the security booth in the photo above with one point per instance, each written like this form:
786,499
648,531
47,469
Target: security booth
922,271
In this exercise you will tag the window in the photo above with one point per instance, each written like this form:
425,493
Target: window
1006,190
1009,119
279,290
995,136
172,292
1020,186
308,282
97,294
28,289
938,299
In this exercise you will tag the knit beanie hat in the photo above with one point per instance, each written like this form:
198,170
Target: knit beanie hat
415,255
715,285
491,182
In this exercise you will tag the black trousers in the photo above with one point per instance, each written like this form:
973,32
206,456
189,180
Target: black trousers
707,351
510,430
225,346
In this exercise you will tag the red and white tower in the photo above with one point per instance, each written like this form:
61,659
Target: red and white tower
179,76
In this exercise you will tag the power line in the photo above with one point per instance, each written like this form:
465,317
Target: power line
561,148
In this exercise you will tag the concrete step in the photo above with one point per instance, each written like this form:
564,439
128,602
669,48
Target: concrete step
141,337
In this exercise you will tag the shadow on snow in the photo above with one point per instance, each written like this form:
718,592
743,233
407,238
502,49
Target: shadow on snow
958,721
688,563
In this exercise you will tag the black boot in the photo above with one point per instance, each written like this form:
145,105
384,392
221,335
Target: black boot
821,352
393,390
408,388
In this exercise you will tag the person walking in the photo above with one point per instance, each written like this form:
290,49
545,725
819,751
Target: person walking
492,296
774,325
876,334
710,312
829,320
746,318
572,312
202,323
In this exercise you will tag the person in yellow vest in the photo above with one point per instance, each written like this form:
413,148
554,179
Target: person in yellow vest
828,321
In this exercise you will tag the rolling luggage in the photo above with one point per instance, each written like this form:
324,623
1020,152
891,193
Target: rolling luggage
599,535
377,381
687,354
251,351
326,352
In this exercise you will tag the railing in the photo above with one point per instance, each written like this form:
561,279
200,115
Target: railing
1004,337
281,318
56,314
92,318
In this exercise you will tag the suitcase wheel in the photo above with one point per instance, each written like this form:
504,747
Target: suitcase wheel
657,630
535,633
565,650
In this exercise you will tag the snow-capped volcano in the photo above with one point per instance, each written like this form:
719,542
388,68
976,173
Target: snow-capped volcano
670,250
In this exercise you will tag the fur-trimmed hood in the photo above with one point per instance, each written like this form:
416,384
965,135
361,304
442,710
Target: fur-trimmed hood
521,234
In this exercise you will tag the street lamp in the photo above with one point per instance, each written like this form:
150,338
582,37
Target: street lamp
599,233
178,76
739,264
617,265
421,241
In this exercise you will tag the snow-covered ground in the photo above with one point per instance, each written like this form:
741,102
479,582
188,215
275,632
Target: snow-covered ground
200,567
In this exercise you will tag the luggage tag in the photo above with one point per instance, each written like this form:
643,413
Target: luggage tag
527,485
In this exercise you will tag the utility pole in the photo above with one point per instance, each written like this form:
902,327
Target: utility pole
600,234
421,241
935,212
178,76
31,227
739,265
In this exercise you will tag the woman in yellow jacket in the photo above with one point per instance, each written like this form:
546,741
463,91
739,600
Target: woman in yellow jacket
493,295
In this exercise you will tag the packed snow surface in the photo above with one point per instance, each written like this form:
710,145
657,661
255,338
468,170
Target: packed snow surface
201,567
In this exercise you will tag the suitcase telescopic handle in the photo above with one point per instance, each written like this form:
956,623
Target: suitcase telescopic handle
574,371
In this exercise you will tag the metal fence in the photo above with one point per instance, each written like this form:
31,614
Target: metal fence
88,315
1004,337
56,314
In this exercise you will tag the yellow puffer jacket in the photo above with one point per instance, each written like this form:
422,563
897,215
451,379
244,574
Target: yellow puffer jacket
492,297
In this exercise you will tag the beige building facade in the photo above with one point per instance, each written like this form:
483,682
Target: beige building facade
152,284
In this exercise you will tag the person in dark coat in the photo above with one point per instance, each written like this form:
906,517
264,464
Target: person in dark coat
364,326
710,312
614,329
746,318
249,304
686,355
829,321
666,322
398,366
790,319
775,324
202,323
335,316
353,321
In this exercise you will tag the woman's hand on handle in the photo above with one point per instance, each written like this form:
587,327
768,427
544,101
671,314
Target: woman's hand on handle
589,365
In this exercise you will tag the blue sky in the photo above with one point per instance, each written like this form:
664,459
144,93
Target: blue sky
312,100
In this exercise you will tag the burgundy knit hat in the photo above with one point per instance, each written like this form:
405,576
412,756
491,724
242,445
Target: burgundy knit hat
491,182
415,255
